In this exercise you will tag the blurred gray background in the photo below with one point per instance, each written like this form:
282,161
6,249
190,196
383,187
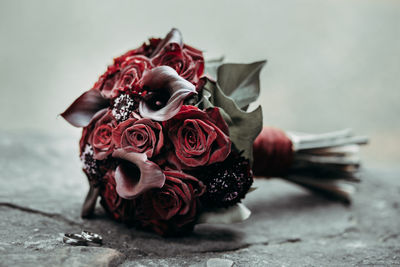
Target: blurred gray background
331,64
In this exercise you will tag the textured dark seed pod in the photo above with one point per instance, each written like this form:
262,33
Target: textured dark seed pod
226,182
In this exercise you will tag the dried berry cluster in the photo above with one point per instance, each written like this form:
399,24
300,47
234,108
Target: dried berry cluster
226,182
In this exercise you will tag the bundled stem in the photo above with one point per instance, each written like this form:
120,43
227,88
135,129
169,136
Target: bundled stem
325,163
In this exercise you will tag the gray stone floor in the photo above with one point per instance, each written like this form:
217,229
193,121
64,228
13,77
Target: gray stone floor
42,188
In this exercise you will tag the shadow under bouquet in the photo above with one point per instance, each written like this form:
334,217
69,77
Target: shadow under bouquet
168,141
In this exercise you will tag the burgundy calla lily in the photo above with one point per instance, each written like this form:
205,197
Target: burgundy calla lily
166,93
128,185
82,110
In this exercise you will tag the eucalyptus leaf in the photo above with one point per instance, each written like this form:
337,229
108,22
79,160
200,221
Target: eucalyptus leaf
244,126
241,82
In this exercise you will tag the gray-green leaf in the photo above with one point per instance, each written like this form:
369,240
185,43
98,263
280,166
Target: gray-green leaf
240,82
244,126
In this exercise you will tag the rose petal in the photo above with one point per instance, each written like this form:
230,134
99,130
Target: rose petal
215,115
86,132
119,130
180,140
82,110
101,138
171,209
174,36
151,176
223,147
166,78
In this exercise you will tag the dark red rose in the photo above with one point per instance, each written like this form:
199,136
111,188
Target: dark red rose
139,136
146,50
172,207
130,74
123,76
87,131
109,195
187,61
106,82
200,138
127,69
101,137
119,208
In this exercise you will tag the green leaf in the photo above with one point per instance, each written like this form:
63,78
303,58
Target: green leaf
241,82
244,126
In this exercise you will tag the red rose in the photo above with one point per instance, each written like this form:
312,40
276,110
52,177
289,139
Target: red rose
187,61
119,208
127,69
124,76
101,137
106,82
87,131
110,198
172,207
130,74
200,138
145,50
139,136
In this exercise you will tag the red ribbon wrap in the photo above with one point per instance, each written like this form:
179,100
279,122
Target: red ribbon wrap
273,153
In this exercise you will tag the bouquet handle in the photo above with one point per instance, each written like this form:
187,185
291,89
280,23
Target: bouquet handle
326,163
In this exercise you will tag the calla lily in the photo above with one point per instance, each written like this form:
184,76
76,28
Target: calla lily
129,183
81,112
166,93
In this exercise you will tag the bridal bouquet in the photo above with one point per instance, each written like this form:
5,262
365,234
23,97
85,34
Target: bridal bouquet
168,140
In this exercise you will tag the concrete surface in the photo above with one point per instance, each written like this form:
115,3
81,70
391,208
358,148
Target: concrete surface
42,188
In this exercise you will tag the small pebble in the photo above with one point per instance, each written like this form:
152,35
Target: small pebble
217,262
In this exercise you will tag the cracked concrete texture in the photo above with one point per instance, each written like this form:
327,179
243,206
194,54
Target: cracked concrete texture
42,188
